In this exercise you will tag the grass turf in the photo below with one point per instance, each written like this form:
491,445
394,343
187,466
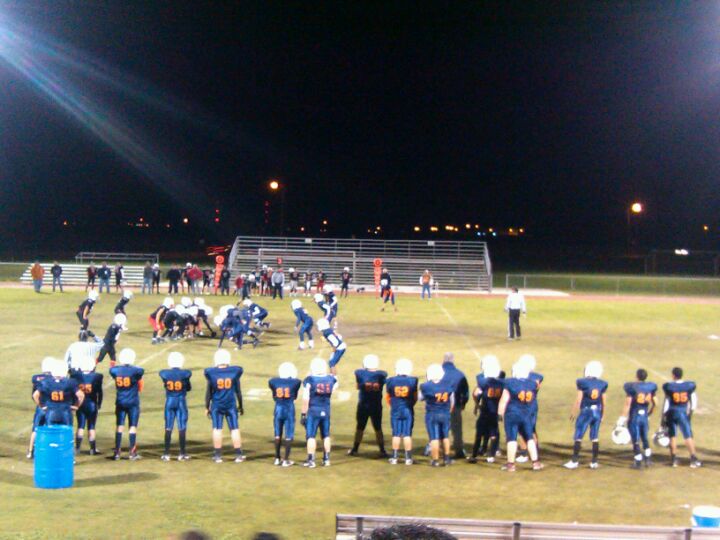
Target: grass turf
152,499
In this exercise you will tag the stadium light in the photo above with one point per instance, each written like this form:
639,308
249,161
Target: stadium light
636,208
416,228
706,228
274,185
185,220
433,229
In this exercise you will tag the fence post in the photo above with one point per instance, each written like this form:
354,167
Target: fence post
359,528
516,530
525,281
688,534
572,283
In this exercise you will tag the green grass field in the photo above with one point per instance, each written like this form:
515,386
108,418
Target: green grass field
153,499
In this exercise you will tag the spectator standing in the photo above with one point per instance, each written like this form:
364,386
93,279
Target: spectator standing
195,276
119,278
320,284
515,305
91,275
458,382
278,282
184,277
37,272
104,274
426,281
225,281
156,273
207,280
173,277
239,284
147,278
56,272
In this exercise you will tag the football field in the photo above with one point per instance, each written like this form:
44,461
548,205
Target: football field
154,499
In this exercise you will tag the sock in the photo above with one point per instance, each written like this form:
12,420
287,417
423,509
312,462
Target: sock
216,452
277,448
182,434
78,442
311,457
118,441
326,456
168,437
672,456
693,457
595,451
576,451
133,444
92,445
395,454
238,452
408,454
288,447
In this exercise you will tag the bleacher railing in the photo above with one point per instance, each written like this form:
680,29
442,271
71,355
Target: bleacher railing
99,256
456,265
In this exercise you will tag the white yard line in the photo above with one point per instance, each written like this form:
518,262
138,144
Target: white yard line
463,335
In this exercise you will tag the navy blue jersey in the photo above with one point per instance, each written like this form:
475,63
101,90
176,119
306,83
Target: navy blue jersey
678,393
57,392
176,381
284,391
523,394
492,390
537,378
332,300
37,379
642,394
332,338
320,390
370,386
90,383
224,385
402,390
437,396
324,307
257,311
592,390
127,384
302,316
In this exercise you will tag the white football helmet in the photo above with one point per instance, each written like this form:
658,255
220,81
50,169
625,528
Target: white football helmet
661,437
529,361
93,295
296,304
192,311
199,301
127,357
287,370
128,295
520,370
291,269
594,369
371,361
435,372
621,435
318,367
346,269
323,324
185,301
120,319
218,320
327,288
176,360
247,302
403,367
224,310
58,368
46,364
222,357
168,302
490,366
319,297
180,310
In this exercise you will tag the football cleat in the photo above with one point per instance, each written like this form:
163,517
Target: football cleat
165,457
695,464
409,461
352,452
674,462
310,464
326,462
594,465
116,456
509,467
217,459
434,463
287,463
393,461
240,458
637,464
134,456
571,465
490,459
447,462
471,459
277,461
29,455
183,457
537,466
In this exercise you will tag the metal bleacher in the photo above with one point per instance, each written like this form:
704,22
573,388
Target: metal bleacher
455,265
360,527
99,256
76,274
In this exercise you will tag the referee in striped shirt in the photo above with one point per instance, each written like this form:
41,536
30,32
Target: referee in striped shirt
514,305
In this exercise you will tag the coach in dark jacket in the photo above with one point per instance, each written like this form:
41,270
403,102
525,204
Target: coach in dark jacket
459,384
103,275
173,277
56,272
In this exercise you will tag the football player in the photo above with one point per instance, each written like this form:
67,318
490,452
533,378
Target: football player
120,306
91,384
303,324
588,412
322,303
257,313
336,342
111,337
517,412
157,318
223,401
680,403
388,295
83,314
284,388
402,396
370,382
332,302
640,402
58,395
487,397
202,315
439,401
317,390
39,416
294,278
529,359
177,384
345,279
128,384
308,277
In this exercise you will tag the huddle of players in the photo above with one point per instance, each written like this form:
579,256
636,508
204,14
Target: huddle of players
260,281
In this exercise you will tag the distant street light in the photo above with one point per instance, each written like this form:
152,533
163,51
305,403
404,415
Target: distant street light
635,208
275,186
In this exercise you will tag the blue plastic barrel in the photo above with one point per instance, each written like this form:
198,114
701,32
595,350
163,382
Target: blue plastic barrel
54,456
706,516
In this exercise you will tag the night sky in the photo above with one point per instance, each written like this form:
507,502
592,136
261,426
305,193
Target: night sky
549,116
